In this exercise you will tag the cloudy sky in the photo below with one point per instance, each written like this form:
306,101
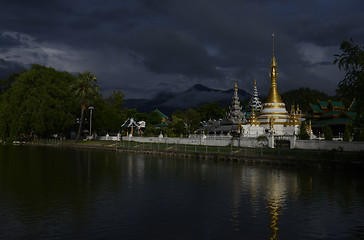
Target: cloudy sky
145,46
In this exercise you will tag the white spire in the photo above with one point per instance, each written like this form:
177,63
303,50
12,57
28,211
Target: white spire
255,101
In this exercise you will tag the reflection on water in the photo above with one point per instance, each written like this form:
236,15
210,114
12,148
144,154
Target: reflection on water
76,194
274,206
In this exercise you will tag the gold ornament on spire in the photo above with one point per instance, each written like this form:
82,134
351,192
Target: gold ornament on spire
273,96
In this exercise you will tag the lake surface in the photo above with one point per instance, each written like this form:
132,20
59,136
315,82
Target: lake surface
63,193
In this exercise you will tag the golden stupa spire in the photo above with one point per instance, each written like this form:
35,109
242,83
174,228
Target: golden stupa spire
273,96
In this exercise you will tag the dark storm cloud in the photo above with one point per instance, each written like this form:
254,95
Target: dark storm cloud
9,67
174,44
169,52
7,41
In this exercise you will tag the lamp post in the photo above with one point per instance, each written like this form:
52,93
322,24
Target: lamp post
90,108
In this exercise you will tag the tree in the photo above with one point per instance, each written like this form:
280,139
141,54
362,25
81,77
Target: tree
211,110
303,97
303,135
85,91
352,86
5,84
346,134
154,118
116,100
112,114
328,133
38,102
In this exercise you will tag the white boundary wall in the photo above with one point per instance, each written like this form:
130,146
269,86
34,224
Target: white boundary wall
202,140
250,142
330,145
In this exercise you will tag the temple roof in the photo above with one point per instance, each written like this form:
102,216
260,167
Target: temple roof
333,121
315,108
323,104
162,115
337,104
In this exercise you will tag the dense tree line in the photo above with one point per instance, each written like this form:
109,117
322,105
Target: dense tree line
303,97
36,102
42,102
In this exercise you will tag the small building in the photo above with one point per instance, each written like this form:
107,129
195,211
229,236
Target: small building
330,113
132,126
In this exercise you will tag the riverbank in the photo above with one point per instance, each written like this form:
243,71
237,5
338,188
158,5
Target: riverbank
289,157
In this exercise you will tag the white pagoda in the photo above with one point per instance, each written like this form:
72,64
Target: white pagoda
255,102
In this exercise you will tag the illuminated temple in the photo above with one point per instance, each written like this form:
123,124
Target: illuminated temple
271,117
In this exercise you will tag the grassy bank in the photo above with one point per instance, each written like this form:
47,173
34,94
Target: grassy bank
320,158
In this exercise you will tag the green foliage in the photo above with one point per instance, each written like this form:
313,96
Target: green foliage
6,83
85,89
303,135
351,60
211,110
191,118
86,92
262,138
39,101
116,100
328,133
179,128
346,133
303,97
154,118
359,135
152,131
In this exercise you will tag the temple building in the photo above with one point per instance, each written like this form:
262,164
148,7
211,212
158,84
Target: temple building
270,117
231,124
330,113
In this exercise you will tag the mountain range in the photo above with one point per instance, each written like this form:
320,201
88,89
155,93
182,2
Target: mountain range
197,95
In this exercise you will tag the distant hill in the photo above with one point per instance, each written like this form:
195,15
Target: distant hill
197,95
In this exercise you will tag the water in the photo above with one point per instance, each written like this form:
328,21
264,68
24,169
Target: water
54,193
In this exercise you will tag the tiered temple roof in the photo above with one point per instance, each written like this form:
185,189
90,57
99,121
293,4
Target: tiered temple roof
330,113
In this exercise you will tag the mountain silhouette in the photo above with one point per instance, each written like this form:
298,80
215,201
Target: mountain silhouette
195,96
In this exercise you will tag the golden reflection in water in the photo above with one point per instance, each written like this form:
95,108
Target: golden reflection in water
274,205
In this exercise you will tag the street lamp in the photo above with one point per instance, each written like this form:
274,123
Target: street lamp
90,108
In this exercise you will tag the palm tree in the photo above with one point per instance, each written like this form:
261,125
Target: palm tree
85,91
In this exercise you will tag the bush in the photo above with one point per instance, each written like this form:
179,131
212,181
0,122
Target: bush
328,133
262,138
303,135
346,134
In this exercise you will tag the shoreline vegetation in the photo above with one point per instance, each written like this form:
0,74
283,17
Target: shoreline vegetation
279,156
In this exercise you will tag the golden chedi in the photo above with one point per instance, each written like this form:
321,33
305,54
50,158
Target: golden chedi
273,110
